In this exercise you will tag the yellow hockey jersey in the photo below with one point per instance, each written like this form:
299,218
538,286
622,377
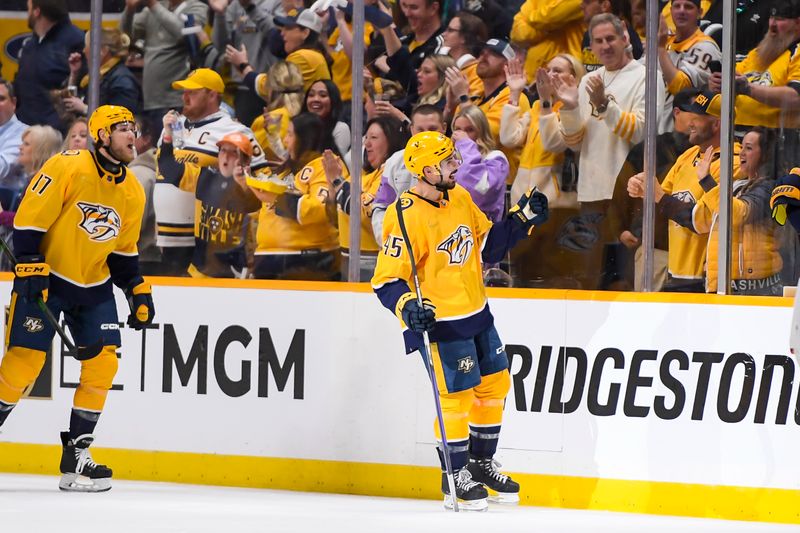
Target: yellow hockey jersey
298,221
446,238
687,249
783,71
86,214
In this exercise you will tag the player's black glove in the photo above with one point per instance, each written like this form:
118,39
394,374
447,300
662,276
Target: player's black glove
418,318
140,300
31,278
531,210
786,199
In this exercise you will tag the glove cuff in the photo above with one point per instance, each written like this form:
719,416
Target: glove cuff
401,303
31,265
138,286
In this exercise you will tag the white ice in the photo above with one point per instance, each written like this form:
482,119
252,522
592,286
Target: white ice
34,503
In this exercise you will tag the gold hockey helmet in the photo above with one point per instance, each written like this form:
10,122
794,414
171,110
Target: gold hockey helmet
430,149
105,117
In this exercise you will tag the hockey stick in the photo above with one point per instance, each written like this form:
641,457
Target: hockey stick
451,480
81,353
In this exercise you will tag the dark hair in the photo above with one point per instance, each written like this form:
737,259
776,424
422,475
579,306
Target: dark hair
336,103
396,136
311,139
622,9
145,127
9,87
427,109
314,42
767,143
473,30
54,10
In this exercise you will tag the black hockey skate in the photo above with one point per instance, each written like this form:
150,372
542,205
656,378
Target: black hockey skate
79,472
502,489
471,494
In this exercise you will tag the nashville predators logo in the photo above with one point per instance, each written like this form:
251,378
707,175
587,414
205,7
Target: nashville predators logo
458,245
33,324
100,222
466,364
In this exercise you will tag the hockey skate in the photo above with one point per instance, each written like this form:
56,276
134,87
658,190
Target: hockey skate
502,489
471,494
79,471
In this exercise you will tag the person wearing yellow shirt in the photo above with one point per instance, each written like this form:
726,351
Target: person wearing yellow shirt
540,162
75,236
755,258
435,228
383,137
695,172
463,38
295,239
545,28
340,49
491,69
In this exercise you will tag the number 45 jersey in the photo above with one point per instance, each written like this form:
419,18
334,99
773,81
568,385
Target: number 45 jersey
447,238
85,214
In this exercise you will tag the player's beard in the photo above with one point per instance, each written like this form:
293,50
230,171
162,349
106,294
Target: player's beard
121,152
771,47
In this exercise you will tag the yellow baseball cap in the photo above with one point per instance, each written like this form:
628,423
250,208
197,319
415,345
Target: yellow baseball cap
202,78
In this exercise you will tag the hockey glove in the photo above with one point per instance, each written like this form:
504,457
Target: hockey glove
531,210
140,300
418,318
786,198
31,278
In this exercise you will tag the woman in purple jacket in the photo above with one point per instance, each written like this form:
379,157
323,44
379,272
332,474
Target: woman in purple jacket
485,168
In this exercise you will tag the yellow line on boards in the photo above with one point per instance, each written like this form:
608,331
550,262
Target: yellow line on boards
648,497
493,292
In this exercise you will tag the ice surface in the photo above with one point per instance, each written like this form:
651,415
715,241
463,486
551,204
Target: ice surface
34,503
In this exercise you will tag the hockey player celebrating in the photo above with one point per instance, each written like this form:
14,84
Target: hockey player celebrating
75,234
449,238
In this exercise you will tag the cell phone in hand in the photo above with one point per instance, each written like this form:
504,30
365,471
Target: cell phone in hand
715,66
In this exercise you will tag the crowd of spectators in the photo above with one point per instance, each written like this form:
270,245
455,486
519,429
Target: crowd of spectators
534,93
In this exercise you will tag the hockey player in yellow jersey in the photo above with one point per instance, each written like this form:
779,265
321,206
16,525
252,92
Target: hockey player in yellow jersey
75,235
450,238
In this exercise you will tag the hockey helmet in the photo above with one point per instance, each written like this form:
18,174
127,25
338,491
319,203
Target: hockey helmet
105,117
239,140
431,149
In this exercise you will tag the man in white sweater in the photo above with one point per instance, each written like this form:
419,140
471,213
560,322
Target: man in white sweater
602,119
